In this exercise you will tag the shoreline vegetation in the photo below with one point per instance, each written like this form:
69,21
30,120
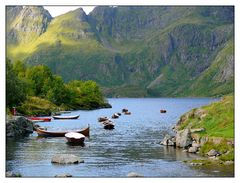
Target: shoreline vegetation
34,90
208,131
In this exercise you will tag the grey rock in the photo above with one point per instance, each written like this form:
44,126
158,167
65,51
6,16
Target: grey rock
213,152
63,175
192,149
214,158
18,126
11,174
195,144
168,141
196,164
66,159
228,162
183,138
197,130
134,174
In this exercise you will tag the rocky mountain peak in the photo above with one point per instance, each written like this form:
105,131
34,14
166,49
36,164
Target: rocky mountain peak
29,23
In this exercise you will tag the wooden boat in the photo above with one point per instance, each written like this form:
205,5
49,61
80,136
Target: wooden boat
108,125
75,138
124,110
163,111
115,115
64,112
66,117
44,133
127,113
40,119
101,119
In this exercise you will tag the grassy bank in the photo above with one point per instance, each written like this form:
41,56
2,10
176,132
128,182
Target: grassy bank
217,120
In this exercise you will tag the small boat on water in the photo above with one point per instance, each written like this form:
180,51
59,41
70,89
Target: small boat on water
66,117
64,112
124,110
44,133
75,138
39,119
108,125
101,119
163,111
115,115
127,113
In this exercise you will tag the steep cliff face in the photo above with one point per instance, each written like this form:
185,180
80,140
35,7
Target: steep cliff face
157,51
26,23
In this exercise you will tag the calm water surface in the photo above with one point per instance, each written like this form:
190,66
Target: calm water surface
133,146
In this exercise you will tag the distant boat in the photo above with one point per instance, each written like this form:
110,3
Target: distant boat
64,112
75,138
40,119
101,119
127,113
66,117
115,115
163,111
108,125
45,133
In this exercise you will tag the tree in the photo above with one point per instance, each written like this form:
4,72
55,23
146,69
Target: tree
15,88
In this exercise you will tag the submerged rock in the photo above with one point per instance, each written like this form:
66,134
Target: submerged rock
63,175
66,159
134,174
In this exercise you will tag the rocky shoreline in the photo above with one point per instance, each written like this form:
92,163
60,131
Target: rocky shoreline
191,141
18,126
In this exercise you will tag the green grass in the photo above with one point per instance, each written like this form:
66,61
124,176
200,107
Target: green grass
219,120
35,106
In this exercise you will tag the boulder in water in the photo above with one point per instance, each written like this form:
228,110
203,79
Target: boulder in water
66,159
134,174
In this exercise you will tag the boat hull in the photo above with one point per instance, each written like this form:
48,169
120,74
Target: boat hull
75,141
40,119
44,133
66,117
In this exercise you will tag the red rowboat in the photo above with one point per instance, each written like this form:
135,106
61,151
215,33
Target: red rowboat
45,133
40,119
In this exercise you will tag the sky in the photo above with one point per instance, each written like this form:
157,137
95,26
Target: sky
59,10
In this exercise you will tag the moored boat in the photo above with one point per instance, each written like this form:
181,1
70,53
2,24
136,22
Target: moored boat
45,133
66,117
127,113
39,119
64,112
101,119
115,115
75,138
108,125
163,111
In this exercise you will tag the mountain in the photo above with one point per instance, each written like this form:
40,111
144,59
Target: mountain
133,51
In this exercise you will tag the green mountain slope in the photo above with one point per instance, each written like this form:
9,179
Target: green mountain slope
134,51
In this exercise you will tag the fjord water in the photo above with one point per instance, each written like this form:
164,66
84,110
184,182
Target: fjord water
133,146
